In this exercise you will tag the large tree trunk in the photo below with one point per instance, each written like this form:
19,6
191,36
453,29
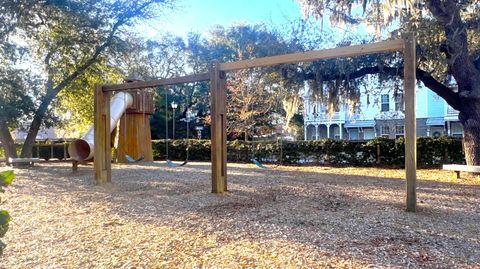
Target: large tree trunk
37,122
31,136
464,71
470,119
7,141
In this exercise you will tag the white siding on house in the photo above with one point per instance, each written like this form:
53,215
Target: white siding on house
434,116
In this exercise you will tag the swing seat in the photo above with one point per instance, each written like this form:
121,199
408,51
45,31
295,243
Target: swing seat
259,164
172,164
132,160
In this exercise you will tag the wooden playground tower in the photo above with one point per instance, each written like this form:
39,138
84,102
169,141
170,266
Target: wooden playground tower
134,134
217,78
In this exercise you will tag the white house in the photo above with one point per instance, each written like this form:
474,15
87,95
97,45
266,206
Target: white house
20,134
379,114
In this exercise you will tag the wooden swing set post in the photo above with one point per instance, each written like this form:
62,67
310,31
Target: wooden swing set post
102,150
218,110
218,106
409,79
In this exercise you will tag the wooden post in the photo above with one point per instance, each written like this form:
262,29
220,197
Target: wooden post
410,122
378,154
74,165
102,150
218,132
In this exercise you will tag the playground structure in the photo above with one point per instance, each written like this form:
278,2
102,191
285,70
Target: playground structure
131,112
134,135
217,77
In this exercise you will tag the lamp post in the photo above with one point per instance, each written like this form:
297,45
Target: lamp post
174,107
199,131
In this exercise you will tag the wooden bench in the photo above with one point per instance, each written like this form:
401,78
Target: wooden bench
461,168
32,161
29,161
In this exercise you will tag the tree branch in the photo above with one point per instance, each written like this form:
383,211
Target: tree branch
440,89
451,97
459,61
51,93
359,73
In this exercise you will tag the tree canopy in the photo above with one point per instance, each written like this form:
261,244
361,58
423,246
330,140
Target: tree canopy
55,46
448,55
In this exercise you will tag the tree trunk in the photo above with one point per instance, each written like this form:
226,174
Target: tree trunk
470,118
7,142
31,136
37,122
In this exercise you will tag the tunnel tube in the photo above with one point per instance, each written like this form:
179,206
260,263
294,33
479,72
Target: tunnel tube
82,149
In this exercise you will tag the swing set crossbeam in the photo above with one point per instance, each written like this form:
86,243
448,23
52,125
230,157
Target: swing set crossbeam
137,85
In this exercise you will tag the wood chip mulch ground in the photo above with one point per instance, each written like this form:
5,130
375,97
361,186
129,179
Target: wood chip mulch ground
153,216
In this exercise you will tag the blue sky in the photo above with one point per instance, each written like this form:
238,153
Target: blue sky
201,15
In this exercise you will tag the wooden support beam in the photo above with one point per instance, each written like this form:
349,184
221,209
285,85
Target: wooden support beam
218,128
410,122
357,50
102,150
156,83
74,165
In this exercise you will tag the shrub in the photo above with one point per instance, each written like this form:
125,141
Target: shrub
431,151
6,178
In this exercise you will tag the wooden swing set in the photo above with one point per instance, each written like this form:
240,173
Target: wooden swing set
217,78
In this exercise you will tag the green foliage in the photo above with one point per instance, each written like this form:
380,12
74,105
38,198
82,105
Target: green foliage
6,178
65,48
431,151
254,96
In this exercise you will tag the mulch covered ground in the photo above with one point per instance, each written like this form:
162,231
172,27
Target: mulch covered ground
287,217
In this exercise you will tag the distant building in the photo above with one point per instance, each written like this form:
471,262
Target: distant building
382,116
20,134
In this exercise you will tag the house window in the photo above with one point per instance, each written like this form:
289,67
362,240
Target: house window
385,102
336,132
385,131
457,129
399,131
353,134
399,105
368,133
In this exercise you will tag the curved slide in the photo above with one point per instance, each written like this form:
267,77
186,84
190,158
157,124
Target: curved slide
82,149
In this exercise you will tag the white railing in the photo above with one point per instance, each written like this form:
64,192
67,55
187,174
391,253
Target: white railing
325,117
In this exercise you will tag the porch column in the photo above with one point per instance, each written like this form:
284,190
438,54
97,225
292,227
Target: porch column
341,130
305,132
316,132
328,130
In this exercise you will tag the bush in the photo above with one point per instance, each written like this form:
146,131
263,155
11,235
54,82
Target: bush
6,178
431,151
